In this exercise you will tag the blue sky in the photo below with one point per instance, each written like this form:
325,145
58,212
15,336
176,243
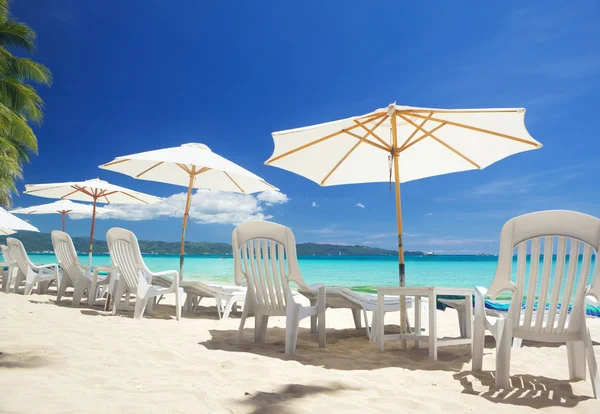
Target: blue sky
131,76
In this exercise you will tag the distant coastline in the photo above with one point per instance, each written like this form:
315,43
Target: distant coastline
42,243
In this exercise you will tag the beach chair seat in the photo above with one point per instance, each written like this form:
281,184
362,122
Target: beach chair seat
81,278
32,274
135,278
339,297
264,256
547,281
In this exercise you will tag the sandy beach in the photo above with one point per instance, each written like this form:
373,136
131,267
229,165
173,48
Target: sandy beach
62,359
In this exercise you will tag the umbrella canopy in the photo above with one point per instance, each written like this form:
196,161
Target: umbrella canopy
95,191
9,223
400,144
62,207
190,165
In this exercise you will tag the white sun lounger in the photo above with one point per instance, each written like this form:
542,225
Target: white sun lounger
135,277
7,278
338,297
549,281
81,278
32,274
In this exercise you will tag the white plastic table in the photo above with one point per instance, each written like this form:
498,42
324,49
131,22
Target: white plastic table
431,292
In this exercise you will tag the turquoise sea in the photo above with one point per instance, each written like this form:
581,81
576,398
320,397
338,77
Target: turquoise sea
361,273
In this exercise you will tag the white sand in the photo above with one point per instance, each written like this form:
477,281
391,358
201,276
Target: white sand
60,359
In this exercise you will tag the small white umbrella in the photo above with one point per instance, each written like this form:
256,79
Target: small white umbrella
9,224
62,207
193,166
406,143
95,191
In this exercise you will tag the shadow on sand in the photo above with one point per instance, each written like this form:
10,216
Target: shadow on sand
526,390
22,360
276,401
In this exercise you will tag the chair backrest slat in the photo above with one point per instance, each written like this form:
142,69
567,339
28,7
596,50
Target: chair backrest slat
533,279
561,254
260,250
545,282
569,282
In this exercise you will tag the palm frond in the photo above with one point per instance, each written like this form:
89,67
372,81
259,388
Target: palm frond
24,69
14,127
16,34
21,98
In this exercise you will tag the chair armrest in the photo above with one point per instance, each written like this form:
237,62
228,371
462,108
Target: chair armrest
49,266
173,273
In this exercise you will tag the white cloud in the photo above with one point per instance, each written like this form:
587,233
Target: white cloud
207,207
359,205
314,204
272,197
428,214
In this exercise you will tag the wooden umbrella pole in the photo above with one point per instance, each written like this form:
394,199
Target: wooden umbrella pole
92,231
396,155
62,213
188,202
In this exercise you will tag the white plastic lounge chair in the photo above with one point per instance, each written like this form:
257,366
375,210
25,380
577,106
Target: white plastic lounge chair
259,249
558,282
227,297
135,277
81,278
7,278
33,274
343,298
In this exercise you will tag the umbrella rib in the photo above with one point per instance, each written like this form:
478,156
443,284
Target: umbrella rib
340,162
41,189
184,168
236,184
149,169
366,141
272,186
456,152
71,193
335,134
422,137
419,128
458,111
132,196
370,131
485,131
202,170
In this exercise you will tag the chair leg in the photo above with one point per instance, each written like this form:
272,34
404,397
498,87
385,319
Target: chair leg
462,323
62,288
117,298
592,364
517,342
322,329
356,316
28,287
140,307
243,320
373,329
178,300
228,307
291,329
78,292
313,318
576,356
478,344
503,351
260,330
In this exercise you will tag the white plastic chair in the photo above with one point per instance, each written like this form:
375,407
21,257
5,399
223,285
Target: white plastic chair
558,282
12,268
76,275
33,274
260,252
134,276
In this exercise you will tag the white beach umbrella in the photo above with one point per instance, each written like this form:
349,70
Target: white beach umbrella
400,144
95,191
62,207
190,165
10,224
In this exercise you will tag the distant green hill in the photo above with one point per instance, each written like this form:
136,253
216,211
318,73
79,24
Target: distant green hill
41,242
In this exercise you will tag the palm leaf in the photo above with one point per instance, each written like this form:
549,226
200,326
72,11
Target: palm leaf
24,69
14,127
16,34
21,98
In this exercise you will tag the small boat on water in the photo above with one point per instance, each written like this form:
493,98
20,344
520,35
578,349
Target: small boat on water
429,254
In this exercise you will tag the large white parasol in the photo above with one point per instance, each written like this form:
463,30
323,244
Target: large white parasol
95,191
62,207
10,224
400,144
193,166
